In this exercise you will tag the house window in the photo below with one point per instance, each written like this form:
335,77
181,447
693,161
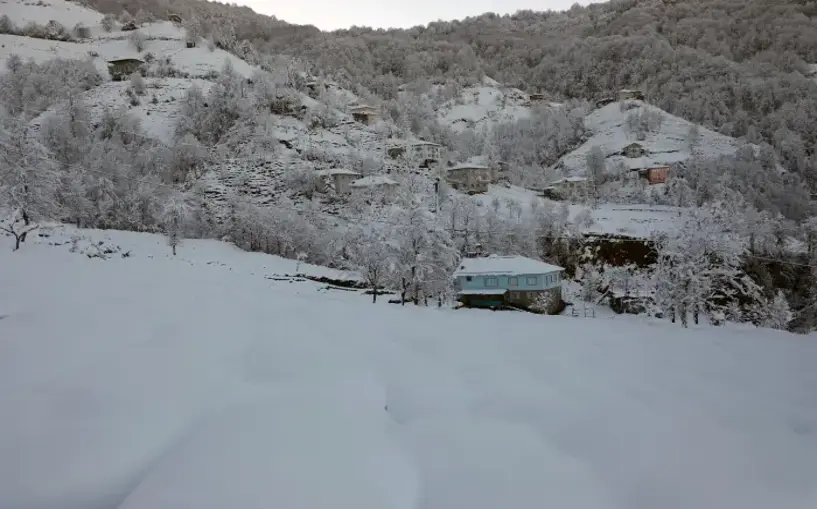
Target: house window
514,281
468,278
491,282
532,280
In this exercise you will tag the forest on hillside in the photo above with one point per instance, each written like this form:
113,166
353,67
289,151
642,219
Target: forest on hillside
740,68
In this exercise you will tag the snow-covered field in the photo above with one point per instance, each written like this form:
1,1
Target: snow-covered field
150,382
21,12
636,220
668,144
484,106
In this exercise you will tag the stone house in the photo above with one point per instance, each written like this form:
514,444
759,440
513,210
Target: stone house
633,150
365,114
121,68
471,178
341,179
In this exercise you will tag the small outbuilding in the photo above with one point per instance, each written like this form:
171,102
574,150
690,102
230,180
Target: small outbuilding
365,114
120,69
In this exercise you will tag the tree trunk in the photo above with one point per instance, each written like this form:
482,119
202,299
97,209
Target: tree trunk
174,249
374,294
16,241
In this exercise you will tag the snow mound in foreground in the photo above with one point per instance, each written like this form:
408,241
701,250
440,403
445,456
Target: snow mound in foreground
160,382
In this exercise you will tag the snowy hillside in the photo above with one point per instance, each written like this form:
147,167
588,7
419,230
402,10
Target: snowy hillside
484,106
665,141
163,41
21,12
157,118
198,382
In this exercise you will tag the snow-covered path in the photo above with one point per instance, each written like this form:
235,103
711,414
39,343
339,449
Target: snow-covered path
149,382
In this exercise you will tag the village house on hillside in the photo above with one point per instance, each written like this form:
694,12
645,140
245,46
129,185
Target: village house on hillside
120,69
652,173
630,95
374,187
471,178
536,98
569,187
497,281
633,150
365,114
341,179
419,152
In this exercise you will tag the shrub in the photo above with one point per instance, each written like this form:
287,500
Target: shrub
81,31
137,83
137,40
108,22
6,25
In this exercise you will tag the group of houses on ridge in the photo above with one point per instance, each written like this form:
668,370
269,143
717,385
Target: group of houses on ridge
509,281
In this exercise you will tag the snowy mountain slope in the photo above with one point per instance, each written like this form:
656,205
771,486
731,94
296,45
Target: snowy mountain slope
41,12
483,106
634,220
163,40
194,382
41,50
665,145
158,119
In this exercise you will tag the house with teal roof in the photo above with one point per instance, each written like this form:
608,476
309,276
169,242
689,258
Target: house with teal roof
498,281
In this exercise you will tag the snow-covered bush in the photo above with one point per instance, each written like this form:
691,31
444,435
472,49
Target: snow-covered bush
779,315
7,25
108,22
81,31
138,40
137,83
82,244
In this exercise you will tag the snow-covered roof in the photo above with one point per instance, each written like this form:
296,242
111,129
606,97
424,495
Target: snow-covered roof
361,107
336,171
373,180
570,179
467,166
509,265
418,143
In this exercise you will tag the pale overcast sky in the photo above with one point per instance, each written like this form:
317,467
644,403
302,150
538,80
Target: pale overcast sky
333,14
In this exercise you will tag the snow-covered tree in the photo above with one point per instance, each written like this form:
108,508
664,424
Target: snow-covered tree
28,181
372,256
779,314
108,22
138,40
192,30
174,218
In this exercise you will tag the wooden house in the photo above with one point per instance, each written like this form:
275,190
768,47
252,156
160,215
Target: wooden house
630,95
536,98
365,114
657,175
121,69
496,281
471,178
633,150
